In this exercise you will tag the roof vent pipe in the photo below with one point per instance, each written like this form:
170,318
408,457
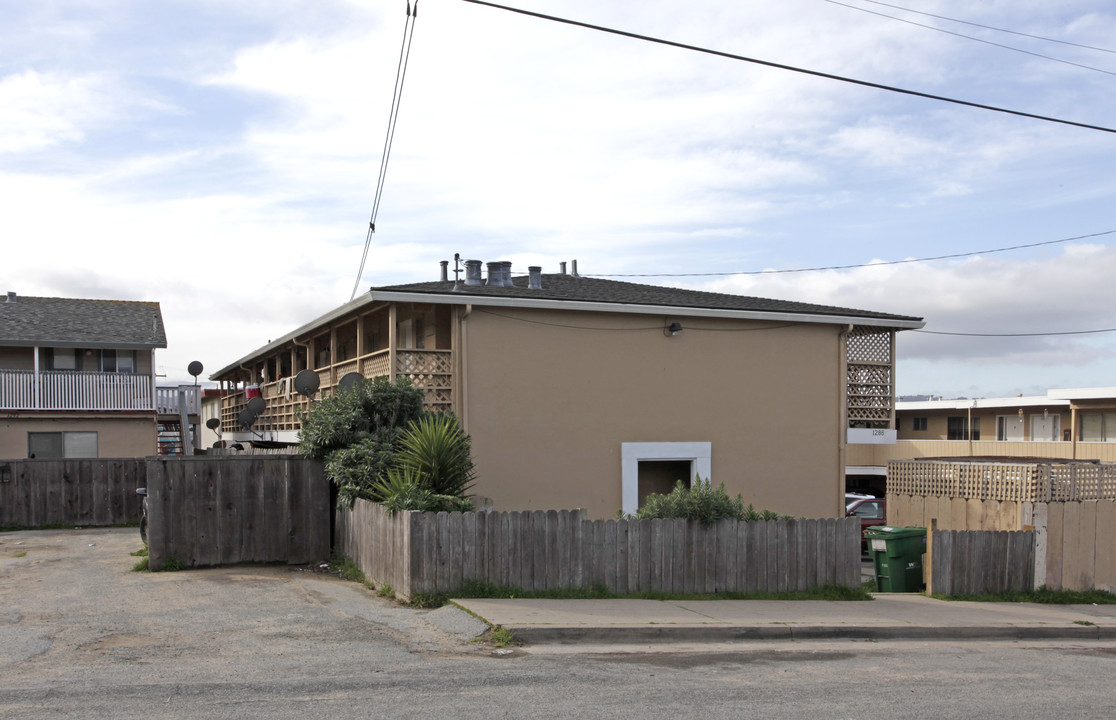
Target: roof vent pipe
495,274
562,265
505,267
535,278
445,270
473,272
11,297
573,268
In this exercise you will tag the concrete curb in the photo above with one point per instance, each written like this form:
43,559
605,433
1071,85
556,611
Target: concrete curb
539,634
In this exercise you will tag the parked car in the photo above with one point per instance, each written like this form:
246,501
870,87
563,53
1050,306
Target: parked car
871,511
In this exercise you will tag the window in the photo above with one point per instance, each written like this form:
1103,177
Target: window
871,509
918,423
63,359
61,445
634,455
122,361
1098,427
957,428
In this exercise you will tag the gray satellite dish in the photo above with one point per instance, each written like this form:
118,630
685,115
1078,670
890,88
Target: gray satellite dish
307,382
350,382
213,423
246,418
195,368
256,406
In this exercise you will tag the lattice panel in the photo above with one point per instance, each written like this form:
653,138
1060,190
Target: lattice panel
423,362
871,345
1022,482
377,366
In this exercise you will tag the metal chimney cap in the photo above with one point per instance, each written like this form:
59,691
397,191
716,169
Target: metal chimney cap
11,297
534,281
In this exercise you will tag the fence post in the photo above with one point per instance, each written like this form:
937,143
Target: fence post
928,566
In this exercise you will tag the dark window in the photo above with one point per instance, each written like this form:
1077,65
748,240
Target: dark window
919,423
957,428
61,445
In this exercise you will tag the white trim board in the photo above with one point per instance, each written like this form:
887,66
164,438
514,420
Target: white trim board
699,453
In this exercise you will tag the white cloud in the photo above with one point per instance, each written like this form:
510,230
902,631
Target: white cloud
41,110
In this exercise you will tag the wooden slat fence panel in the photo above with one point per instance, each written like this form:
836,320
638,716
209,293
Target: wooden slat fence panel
96,491
974,562
214,511
537,551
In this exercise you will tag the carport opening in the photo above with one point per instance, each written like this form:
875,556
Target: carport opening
660,476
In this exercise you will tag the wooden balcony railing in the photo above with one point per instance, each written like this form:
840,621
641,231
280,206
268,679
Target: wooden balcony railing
166,399
430,370
63,390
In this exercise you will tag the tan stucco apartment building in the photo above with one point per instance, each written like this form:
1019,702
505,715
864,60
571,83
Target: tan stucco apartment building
585,392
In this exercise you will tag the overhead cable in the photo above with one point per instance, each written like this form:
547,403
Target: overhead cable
780,66
990,27
969,37
393,116
861,265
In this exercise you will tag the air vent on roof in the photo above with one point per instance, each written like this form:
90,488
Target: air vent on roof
11,297
473,272
535,277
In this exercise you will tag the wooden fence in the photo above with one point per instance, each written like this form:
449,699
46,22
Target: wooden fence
539,551
976,562
218,511
101,491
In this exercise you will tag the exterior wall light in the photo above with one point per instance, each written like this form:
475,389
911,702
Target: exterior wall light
673,329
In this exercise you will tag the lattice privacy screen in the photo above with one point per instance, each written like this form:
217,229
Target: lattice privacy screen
869,378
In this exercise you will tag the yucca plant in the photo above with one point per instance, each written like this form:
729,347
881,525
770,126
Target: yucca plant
439,453
403,489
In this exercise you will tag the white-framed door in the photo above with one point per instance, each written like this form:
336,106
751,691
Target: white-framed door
1009,427
1046,428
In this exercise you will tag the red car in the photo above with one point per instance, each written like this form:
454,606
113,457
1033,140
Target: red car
871,511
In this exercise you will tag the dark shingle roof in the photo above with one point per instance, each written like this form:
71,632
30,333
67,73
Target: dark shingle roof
81,323
586,289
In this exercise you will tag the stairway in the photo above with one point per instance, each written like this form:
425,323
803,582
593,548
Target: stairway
170,438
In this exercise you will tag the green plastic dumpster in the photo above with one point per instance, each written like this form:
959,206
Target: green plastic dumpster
897,554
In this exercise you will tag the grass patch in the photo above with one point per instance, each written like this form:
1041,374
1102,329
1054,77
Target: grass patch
172,564
1084,622
64,526
427,601
385,591
1043,595
140,566
20,554
142,552
500,636
347,568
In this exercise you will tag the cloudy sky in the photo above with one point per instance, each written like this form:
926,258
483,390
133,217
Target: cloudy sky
221,158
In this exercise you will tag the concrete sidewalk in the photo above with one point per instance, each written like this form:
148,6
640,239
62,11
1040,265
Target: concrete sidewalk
889,616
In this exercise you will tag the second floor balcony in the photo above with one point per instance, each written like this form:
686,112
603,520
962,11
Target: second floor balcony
76,390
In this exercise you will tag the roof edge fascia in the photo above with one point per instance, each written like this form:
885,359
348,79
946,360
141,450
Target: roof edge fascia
552,304
354,304
83,344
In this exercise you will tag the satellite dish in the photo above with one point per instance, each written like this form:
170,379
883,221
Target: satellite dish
350,382
195,368
256,406
246,418
213,423
307,382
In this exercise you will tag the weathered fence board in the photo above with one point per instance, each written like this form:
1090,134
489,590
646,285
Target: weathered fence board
214,511
562,550
976,562
95,491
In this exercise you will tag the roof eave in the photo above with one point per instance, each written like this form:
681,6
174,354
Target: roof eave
586,306
99,344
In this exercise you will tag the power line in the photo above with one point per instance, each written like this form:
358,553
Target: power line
969,37
860,265
393,116
780,66
990,27
1039,334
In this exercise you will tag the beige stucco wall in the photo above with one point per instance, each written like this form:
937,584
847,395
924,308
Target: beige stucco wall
549,402
125,436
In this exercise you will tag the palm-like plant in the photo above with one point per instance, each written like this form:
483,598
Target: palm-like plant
439,452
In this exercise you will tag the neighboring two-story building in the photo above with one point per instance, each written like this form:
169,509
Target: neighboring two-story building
1064,424
77,377
584,392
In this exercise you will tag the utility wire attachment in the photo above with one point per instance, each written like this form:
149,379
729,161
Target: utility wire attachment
393,117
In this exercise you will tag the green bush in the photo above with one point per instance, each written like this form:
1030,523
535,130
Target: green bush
345,418
701,502
403,489
356,469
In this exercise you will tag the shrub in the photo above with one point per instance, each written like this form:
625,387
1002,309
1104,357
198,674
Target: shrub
701,502
403,489
439,453
345,418
356,469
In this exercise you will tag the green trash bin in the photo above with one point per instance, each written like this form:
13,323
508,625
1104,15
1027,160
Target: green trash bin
897,555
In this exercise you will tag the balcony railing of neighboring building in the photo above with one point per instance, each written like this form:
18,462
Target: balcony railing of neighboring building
429,370
166,399
879,455
75,390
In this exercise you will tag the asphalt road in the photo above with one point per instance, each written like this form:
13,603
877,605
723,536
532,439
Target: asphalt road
83,636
